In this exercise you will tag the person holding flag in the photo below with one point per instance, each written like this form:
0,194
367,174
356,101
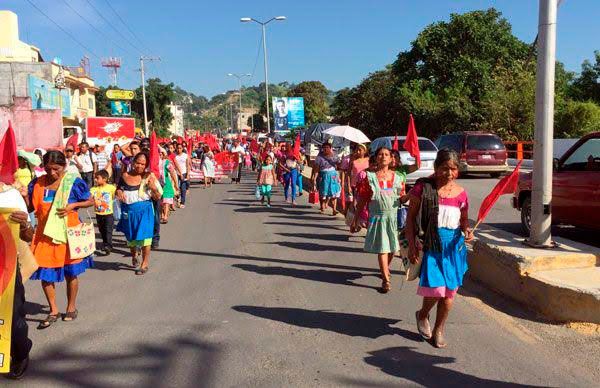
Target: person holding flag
443,207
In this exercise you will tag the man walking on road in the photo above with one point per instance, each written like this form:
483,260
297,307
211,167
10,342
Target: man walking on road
87,163
241,151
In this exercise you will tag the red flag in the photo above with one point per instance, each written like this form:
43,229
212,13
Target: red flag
395,146
506,185
296,150
8,157
411,143
154,155
73,141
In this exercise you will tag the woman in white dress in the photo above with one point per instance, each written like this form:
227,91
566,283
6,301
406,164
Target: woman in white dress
208,167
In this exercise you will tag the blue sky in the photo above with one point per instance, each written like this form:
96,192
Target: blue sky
335,41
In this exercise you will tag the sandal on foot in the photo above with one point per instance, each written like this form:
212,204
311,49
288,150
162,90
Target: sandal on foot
48,321
70,316
141,271
385,287
439,341
423,326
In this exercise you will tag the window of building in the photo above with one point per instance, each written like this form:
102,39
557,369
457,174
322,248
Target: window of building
90,103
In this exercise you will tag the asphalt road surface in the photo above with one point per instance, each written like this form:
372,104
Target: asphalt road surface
242,295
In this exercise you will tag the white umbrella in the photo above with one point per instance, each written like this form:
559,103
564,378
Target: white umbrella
348,132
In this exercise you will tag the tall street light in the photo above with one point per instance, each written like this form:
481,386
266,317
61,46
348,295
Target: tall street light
239,78
264,39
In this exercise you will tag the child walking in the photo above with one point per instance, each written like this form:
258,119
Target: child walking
266,180
104,196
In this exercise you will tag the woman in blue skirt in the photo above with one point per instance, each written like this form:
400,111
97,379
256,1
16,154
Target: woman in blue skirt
136,191
444,227
325,178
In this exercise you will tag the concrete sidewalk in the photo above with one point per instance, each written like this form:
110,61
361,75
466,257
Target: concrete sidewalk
562,284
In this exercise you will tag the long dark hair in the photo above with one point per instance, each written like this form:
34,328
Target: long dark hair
55,157
444,155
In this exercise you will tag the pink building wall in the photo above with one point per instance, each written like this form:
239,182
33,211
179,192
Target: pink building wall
34,128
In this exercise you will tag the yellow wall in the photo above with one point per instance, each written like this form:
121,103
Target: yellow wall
11,48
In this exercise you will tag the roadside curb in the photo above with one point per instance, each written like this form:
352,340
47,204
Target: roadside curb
560,284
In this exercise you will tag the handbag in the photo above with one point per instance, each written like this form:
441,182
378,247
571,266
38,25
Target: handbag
257,192
413,270
349,217
81,239
313,197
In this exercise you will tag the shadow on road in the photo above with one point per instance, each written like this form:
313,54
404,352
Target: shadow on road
424,369
353,325
317,275
322,226
214,255
308,246
144,364
319,236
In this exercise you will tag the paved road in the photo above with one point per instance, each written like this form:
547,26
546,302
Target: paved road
504,216
242,295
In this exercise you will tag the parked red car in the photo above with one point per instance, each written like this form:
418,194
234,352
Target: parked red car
480,152
575,187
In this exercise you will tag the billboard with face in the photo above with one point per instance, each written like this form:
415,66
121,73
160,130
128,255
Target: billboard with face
288,113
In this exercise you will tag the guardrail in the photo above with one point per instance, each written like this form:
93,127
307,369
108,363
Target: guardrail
519,149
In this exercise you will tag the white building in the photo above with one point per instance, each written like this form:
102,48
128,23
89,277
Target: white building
176,127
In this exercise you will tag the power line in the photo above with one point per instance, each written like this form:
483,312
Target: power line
97,29
63,30
113,27
256,60
87,49
126,25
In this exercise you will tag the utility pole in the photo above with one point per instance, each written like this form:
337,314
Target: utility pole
142,59
541,196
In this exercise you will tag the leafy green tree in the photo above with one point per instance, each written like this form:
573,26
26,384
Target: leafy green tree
587,85
260,124
102,102
577,119
315,94
158,97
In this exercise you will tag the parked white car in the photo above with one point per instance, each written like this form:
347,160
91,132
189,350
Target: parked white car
426,147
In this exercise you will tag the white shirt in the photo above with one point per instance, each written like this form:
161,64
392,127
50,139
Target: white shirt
240,151
87,161
182,162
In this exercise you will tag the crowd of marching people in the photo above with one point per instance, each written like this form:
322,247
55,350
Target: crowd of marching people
134,187
427,226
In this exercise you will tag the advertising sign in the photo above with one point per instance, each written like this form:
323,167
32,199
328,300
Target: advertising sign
106,130
45,96
120,108
288,113
118,94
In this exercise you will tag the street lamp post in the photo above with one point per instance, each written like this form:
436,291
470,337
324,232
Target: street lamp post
264,39
239,78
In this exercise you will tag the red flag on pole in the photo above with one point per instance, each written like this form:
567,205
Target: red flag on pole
506,185
8,158
154,155
411,143
395,145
